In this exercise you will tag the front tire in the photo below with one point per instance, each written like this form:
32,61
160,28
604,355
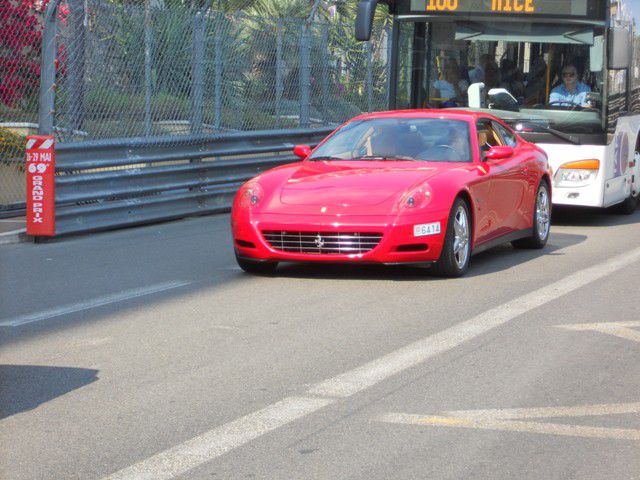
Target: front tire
541,221
456,251
629,205
256,267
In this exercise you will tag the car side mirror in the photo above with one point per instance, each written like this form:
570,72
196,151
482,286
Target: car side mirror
302,151
498,153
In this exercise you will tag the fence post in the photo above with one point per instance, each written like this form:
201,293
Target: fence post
46,109
197,87
279,65
389,38
75,77
305,76
148,39
325,73
218,64
369,49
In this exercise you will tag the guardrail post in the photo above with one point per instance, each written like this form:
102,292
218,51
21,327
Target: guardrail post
369,49
325,73
305,76
148,40
75,75
279,72
197,87
46,109
218,65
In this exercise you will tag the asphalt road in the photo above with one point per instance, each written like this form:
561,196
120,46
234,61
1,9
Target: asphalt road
146,353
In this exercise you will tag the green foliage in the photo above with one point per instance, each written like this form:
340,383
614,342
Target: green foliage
12,145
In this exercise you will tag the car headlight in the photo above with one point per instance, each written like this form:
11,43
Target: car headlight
250,195
577,174
415,199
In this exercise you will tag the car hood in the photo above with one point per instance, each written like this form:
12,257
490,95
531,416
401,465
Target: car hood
349,187
337,183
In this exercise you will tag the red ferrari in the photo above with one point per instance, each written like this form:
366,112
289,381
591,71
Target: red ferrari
401,187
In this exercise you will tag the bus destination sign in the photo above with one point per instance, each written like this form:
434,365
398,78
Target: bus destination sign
572,8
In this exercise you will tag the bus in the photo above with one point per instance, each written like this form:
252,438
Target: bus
565,74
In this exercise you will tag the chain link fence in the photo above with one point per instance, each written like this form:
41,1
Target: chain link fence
129,71
126,70
20,43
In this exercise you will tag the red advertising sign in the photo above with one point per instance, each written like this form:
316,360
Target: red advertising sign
40,186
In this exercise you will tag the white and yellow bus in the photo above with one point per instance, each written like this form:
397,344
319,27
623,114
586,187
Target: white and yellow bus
516,58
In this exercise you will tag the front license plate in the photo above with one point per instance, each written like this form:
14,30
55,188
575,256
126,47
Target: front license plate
425,229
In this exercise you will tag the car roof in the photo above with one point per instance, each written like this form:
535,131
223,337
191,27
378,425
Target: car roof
452,114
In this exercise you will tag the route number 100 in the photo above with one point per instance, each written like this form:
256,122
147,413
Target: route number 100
441,5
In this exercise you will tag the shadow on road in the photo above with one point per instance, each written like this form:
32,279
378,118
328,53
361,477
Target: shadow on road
494,260
592,217
25,387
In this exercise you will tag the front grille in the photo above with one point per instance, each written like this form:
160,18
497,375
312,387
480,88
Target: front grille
322,243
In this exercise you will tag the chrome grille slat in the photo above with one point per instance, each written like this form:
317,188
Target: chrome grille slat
329,242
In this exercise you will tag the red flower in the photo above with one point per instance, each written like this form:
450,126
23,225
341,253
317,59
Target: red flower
20,47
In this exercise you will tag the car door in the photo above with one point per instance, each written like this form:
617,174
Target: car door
480,188
507,180
524,165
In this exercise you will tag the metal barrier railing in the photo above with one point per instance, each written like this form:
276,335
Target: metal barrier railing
109,184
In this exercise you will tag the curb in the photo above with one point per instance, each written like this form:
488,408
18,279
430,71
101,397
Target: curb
16,236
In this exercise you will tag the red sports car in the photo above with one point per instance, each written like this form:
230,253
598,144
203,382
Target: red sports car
414,187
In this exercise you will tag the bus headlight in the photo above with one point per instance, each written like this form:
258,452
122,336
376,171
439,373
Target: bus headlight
577,174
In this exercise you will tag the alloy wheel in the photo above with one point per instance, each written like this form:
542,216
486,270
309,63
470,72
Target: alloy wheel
461,237
543,217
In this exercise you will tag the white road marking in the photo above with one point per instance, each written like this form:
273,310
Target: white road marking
89,304
218,441
190,454
507,420
617,329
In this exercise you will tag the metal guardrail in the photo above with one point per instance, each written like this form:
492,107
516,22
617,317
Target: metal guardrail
110,184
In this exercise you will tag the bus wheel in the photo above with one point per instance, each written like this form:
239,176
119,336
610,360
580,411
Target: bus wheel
629,205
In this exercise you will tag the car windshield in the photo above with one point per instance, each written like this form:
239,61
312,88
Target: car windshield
426,139
552,74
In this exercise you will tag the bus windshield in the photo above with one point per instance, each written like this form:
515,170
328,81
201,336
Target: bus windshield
540,72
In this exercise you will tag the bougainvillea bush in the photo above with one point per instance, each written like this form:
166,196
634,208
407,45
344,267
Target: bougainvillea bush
20,45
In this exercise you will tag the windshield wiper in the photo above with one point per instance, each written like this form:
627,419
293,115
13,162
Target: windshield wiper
521,125
384,157
326,157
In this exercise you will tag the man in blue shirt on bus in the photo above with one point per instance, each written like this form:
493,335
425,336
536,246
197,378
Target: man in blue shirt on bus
571,92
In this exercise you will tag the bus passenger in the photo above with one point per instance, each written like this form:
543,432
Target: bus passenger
476,74
571,91
452,86
512,79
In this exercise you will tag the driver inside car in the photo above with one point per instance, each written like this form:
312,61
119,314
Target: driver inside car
571,92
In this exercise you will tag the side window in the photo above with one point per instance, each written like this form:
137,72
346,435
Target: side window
487,136
508,137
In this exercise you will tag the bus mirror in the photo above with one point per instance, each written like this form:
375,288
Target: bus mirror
476,95
364,19
596,54
501,99
619,48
